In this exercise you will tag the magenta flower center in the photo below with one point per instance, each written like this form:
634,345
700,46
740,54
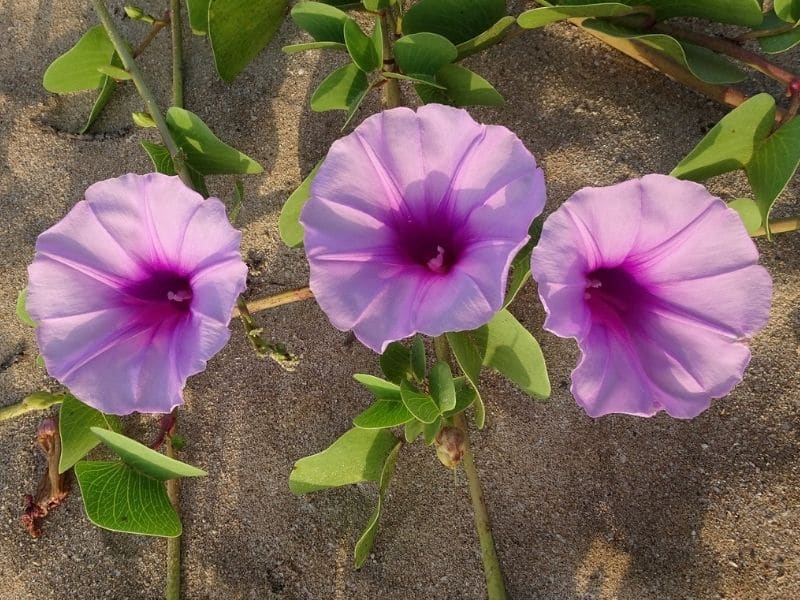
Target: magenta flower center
433,245
614,295
165,293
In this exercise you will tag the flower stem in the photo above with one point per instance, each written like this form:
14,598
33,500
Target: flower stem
729,48
269,302
151,35
173,589
780,226
121,46
391,90
28,405
491,564
176,27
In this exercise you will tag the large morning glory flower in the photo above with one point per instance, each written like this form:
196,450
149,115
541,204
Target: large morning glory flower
413,220
658,281
132,292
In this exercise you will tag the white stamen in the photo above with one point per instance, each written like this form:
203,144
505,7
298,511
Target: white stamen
179,296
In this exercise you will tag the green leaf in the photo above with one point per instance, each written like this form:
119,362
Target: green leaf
775,44
364,543
701,62
75,422
144,459
143,120
204,152
749,213
412,430
198,16
117,73
426,80
239,29
76,69
295,48
521,265
773,165
324,23
788,10
731,143
119,498
495,34
382,389
289,227
340,90
468,351
237,203
383,414
735,12
465,396
107,88
418,360
512,350
539,17
418,403
442,387
396,362
159,155
457,20
374,5
358,455
361,47
430,430
423,53
465,88
22,310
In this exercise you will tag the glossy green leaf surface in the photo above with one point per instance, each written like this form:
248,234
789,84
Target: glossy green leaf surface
775,44
496,33
323,22
468,351
361,47
341,90
204,151
701,62
442,387
75,422
144,459
198,16
365,542
289,226
160,157
539,17
423,53
749,212
787,10
295,48
457,20
735,12
465,396
379,387
773,165
383,413
22,310
466,88
119,498
76,69
418,360
514,352
396,362
421,405
239,29
730,144
358,455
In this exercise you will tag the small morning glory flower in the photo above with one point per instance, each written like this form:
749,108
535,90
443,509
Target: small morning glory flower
132,292
659,283
413,220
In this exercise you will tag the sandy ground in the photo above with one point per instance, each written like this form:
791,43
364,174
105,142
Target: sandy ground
618,507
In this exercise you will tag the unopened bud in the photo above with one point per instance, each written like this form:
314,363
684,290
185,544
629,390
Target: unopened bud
143,119
138,14
449,444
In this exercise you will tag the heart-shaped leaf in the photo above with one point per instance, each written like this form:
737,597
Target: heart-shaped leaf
75,422
366,54
325,23
423,53
457,20
76,69
341,90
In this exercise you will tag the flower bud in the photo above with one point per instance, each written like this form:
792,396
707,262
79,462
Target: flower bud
449,444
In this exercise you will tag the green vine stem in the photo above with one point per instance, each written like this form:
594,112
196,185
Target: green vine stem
268,302
391,89
151,35
176,27
173,589
495,586
121,46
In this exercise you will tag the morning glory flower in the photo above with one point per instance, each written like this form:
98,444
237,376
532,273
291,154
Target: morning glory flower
132,292
413,220
659,283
